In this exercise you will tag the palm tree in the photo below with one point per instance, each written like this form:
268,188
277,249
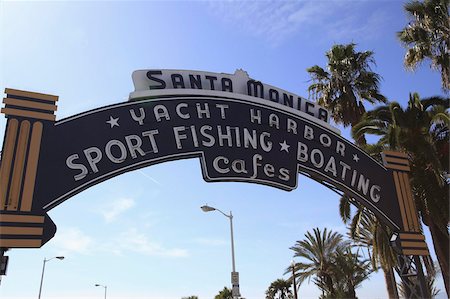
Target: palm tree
350,270
368,232
346,84
279,289
224,294
427,36
422,130
317,249
334,268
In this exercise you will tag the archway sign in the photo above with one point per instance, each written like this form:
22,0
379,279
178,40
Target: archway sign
239,128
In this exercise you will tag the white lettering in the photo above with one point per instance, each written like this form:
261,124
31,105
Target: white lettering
211,141
265,145
284,174
93,160
325,140
133,148
308,133
239,166
121,146
224,136
180,113
331,166
302,152
315,152
151,135
161,111
217,166
71,165
291,126
222,108
340,148
363,184
375,196
140,118
256,158
250,139
269,170
255,116
203,111
274,120
179,136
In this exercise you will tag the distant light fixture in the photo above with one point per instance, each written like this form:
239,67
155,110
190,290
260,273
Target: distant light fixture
43,270
234,274
207,208
100,285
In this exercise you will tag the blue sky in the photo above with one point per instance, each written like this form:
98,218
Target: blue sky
143,233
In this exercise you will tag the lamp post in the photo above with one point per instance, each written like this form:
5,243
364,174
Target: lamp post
234,274
43,269
293,279
105,287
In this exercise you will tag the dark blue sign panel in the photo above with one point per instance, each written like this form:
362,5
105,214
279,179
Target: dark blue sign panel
235,140
236,137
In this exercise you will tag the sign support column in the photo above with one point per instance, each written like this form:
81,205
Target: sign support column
410,243
21,224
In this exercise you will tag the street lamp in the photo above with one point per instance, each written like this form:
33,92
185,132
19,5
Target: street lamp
234,274
105,287
43,269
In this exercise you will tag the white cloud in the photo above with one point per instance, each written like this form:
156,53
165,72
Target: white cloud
369,28
116,207
68,240
72,240
275,21
133,240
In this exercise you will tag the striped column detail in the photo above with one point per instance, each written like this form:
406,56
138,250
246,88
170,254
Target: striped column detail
7,158
26,112
29,104
21,231
413,244
399,163
411,241
395,160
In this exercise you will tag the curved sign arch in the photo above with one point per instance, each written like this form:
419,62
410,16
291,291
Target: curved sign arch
240,130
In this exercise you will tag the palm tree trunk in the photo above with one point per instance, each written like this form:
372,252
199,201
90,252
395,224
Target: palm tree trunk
351,291
441,247
329,283
391,285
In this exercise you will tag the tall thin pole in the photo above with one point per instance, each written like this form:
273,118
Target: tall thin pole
232,242
234,274
105,291
232,251
42,278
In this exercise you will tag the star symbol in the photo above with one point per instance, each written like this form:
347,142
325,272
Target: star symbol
113,121
284,146
355,157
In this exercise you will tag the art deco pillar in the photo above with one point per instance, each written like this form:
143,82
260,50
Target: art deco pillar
28,113
410,243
